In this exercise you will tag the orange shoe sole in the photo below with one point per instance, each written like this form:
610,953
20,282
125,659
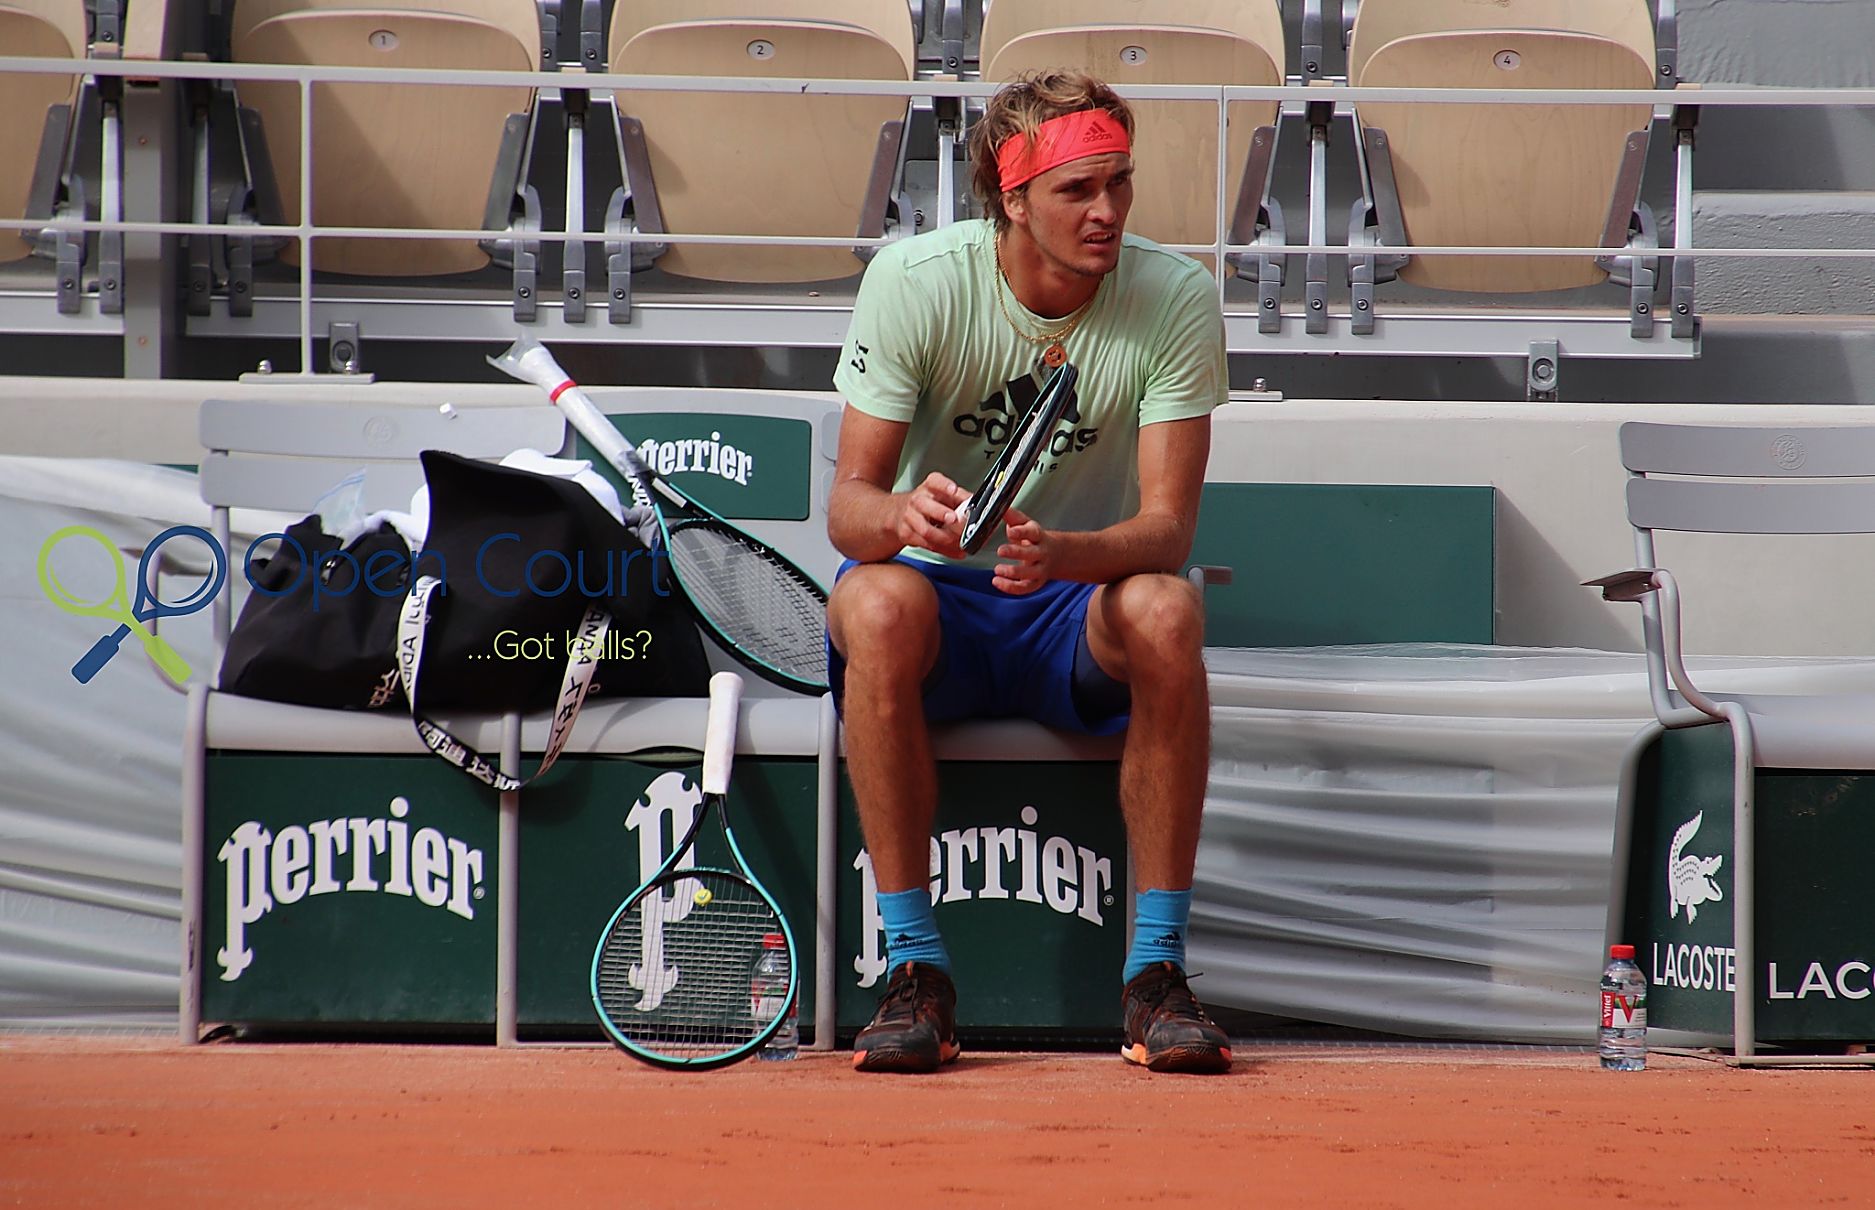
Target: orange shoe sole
903,1060
1192,1060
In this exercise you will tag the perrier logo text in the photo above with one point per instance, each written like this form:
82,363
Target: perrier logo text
266,870
1020,864
695,455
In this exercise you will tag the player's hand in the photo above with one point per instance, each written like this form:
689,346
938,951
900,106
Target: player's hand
1027,556
933,516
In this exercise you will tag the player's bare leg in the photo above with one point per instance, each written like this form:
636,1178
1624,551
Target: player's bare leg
883,618
1148,631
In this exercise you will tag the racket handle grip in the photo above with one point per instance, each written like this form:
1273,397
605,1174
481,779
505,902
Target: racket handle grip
719,733
92,661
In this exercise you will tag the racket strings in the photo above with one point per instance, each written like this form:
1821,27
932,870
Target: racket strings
673,974
762,604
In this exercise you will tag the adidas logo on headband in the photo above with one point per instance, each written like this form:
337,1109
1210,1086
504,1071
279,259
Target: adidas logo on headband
1071,136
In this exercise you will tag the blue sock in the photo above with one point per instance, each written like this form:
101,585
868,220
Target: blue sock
911,933
1159,922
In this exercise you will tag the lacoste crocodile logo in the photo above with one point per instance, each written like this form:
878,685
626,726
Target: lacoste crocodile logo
1689,879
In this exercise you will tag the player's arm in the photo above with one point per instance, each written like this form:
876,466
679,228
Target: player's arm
870,522
1172,457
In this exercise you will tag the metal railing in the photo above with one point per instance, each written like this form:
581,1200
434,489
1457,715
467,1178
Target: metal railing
817,326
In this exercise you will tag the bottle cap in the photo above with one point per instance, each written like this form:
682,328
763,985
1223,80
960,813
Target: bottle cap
1620,951
775,941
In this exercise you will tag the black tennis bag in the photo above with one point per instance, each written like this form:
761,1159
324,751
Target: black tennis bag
339,654
519,557
523,555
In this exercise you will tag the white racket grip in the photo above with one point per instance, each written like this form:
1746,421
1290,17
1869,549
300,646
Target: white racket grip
719,733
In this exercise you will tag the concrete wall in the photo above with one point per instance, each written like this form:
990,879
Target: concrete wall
1556,470
1793,43
1561,517
1787,178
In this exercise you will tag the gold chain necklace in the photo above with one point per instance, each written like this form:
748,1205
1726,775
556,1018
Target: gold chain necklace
1055,353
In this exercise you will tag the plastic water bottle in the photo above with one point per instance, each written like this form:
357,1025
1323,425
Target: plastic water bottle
768,989
1624,1012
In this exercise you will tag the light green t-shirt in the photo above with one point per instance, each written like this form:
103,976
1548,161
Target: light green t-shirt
928,346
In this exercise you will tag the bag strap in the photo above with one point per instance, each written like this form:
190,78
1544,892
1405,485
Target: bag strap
581,661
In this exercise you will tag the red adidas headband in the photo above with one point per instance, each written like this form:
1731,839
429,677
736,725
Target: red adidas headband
1072,136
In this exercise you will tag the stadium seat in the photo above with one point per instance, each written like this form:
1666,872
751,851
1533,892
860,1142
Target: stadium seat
49,29
760,163
390,155
1501,175
1125,42
1737,480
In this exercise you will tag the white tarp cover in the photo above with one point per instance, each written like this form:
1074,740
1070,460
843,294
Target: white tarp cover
1416,839
91,806
91,800
1407,839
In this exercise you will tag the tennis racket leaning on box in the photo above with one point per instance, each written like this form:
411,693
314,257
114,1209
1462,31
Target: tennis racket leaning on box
766,611
984,511
672,972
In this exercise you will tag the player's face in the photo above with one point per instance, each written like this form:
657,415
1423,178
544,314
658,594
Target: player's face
1075,213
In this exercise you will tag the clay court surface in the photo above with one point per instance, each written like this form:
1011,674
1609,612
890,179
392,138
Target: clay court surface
116,1121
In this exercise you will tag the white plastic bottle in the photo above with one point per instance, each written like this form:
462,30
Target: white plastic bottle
1624,1012
768,985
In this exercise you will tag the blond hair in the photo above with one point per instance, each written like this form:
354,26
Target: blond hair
1019,108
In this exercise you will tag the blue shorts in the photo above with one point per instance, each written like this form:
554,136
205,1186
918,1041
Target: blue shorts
1004,656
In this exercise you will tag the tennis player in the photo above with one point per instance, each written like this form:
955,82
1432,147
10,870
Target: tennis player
1078,618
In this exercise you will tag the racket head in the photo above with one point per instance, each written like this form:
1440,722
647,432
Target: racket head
795,604
671,973
988,504
767,611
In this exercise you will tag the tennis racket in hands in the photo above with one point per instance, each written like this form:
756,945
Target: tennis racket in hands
672,972
983,512
766,611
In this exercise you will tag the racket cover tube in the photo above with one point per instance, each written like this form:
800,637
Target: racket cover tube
530,361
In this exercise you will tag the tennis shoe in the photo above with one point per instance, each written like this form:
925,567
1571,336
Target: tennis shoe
914,1028
1166,1027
